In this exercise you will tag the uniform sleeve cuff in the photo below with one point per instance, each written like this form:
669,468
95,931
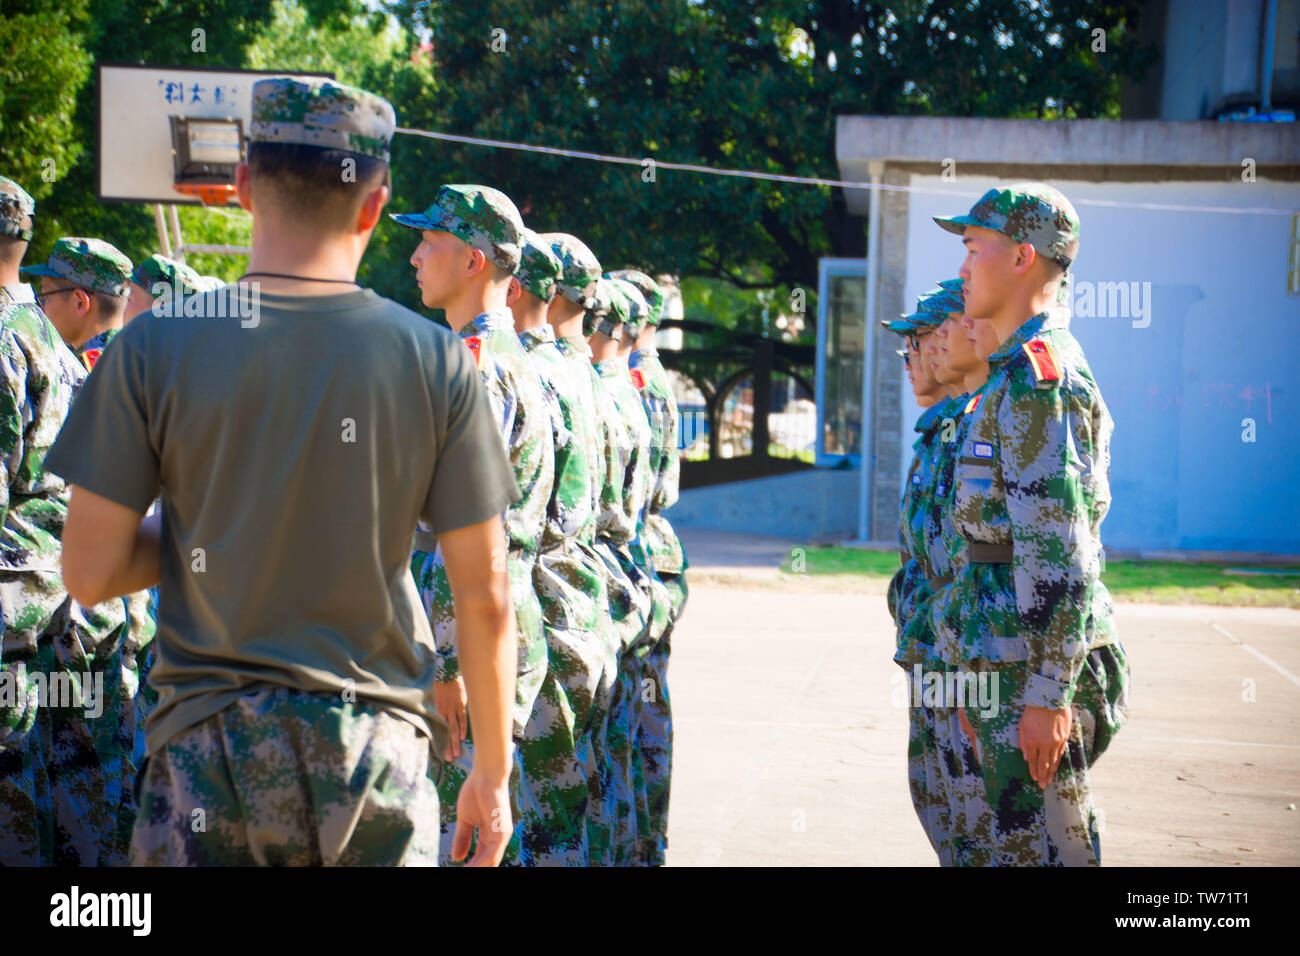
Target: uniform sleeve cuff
447,669
1041,691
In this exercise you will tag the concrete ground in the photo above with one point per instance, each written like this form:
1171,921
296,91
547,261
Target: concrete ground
791,751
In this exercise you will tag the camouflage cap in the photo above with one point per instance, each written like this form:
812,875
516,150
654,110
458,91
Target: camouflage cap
599,302
932,309
90,263
15,206
539,268
310,111
940,300
649,289
580,266
901,325
638,310
158,268
1035,213
952,285
480,216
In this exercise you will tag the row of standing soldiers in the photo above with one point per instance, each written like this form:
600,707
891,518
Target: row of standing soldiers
589,423
1016,681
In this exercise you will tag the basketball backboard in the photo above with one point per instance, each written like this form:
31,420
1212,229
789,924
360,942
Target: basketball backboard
135,152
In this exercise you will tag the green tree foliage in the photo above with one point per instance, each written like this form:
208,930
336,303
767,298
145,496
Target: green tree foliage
43,65
739,84
373,52
728,83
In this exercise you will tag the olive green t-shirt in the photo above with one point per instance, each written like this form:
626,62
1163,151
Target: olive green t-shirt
295,445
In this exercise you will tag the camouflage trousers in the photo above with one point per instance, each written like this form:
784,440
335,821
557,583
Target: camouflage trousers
435,594
1056,826
655,737
926,736
522,807
282,777
631,614
71,737
944,774
559,768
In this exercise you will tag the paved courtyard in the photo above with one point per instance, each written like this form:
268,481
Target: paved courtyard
790,749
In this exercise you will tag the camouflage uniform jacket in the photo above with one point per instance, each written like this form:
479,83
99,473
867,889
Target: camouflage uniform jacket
1033,472
911,577
665,548
38,378
568,581
515,393
637,473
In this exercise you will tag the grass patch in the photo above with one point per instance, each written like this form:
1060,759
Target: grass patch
1152,582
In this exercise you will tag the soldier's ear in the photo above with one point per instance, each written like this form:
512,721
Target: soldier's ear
1026,256
476,263
243,192
372,208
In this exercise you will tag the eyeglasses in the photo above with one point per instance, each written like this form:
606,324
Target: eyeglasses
905,355
42,296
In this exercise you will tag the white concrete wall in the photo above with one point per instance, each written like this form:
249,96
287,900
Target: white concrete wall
1221,345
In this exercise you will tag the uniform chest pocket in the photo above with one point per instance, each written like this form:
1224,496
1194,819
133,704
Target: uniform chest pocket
973,480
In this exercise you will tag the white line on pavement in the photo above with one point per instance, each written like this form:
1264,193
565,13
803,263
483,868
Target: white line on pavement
1222,743
1267,660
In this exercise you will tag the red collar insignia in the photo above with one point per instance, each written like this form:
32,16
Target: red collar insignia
90,357
475,345
1043,361
637,378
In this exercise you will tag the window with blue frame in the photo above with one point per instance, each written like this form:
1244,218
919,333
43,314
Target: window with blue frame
841,318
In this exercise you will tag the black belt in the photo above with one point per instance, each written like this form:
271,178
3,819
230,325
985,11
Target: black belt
985,552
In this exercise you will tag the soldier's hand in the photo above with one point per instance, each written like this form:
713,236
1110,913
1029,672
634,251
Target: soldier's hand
484,805
1044,735
449,701
969,731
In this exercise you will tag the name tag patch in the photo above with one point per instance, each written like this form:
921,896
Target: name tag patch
982,449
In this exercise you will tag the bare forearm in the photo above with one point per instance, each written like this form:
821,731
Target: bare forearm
139,568
486,645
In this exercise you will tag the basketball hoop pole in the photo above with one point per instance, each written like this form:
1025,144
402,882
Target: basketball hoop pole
164,243
178,250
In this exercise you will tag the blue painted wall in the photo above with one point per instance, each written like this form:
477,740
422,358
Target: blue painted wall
805,504
1222,345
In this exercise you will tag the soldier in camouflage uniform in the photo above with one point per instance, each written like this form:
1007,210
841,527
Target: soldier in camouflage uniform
1027,604
557,743
909,589
159,277
955,366
66,764
84,290
484,219
568,313
667,560
637,669
627,443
